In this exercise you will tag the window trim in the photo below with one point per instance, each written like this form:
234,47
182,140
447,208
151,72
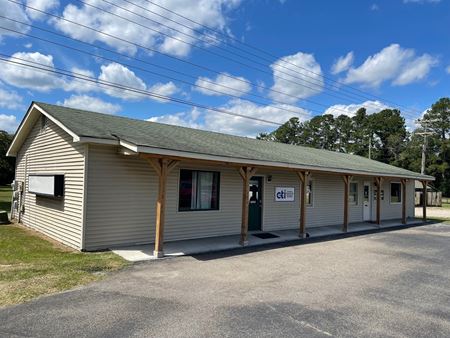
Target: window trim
218,190
390,192
357,193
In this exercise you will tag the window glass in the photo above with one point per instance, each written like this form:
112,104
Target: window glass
309,193
353,193
199,190
396,193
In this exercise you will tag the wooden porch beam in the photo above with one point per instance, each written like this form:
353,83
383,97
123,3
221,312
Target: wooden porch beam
303,176
424,200
162,168
156,165
403,182
246,173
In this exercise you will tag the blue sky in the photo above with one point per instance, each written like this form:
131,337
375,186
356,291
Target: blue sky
319,56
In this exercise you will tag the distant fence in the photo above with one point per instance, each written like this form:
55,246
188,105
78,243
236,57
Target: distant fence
434,198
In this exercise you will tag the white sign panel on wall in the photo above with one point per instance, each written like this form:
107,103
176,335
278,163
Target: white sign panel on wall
284,194
40,184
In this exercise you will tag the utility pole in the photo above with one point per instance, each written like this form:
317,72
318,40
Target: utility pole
370,147
425,133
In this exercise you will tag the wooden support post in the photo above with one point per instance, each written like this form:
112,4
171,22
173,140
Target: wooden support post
403,181
424,200
303,176
379,182
346,179
162,168
246,173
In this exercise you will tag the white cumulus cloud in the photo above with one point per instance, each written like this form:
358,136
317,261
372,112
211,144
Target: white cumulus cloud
43,5
399,65
342,63
223,84
91,103
8,123
25,77
163,89
112,74
118,74
10,100
211,13
351,109
299,76
235,125
415,70
14,11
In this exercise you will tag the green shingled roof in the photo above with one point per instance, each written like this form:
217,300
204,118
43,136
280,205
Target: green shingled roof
157,135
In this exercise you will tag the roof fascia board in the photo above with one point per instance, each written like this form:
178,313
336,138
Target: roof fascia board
19,137
129,145
215,158
87,139
75,137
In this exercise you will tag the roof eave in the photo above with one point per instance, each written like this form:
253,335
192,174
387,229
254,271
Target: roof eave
26,125
216,158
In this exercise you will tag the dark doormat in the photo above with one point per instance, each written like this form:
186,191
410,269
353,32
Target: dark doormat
265,235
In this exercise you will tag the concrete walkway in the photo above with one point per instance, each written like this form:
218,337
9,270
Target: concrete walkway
138,253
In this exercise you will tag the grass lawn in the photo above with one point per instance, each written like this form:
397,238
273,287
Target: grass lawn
5,197
31,266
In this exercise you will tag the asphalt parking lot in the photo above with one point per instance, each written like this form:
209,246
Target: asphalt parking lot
385,284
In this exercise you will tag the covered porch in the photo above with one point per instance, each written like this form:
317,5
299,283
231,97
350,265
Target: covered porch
163,165
145,252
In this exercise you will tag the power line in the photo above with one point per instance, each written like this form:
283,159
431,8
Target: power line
153,72
268,53
317,88
156,73
45,68
170,56
165,54
153,50
296,112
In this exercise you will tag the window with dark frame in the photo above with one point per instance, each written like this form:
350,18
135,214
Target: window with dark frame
198,190
396,192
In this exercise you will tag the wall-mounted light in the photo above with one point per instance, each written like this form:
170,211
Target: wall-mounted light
269,178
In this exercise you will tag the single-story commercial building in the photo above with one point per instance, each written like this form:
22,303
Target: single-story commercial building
94,181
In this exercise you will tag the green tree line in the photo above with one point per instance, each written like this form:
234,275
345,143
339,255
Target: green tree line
6,163
384,135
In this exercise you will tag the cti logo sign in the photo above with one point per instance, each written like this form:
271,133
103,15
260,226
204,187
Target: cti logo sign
284,194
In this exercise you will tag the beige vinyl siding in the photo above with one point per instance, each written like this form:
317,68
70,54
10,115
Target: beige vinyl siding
121,199
394,210
52,151
121,203
327,207
122,192
279,215
207,223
